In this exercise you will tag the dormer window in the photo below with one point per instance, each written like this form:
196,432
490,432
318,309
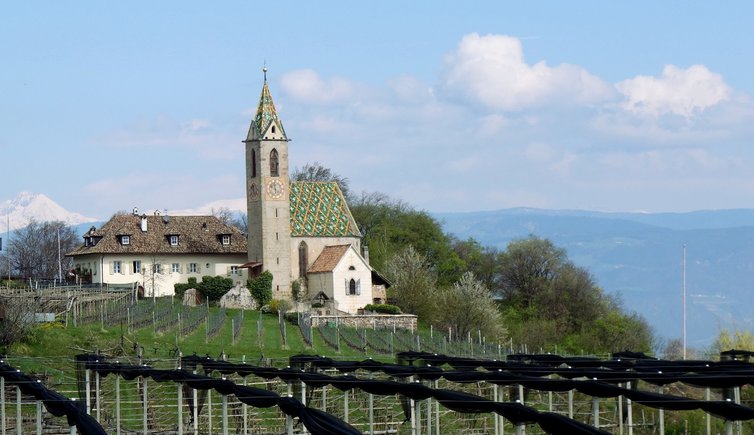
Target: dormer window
226,239
174,240
125,240
86,241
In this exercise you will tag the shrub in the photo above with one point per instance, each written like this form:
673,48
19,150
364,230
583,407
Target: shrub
261,288
383,309
291,318
214,287
180,288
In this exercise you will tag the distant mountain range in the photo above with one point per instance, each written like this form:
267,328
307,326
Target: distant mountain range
18,211
640,256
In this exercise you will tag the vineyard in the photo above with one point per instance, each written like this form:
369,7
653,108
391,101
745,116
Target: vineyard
377,381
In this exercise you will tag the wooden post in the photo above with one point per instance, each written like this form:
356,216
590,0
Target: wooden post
117,405
145,406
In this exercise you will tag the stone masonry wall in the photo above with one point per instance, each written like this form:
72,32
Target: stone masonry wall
384,321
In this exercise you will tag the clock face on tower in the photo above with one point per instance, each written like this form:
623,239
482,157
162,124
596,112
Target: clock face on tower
253,191
275,189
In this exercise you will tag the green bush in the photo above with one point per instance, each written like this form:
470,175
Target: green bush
261,288
383,309
180,288
291,318
214,287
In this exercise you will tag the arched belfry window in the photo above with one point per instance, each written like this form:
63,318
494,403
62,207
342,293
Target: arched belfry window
303,259
253,164
352,287
274,163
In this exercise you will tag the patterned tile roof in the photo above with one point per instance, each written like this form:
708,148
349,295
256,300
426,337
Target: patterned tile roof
328,258
318,209
266,113
196,235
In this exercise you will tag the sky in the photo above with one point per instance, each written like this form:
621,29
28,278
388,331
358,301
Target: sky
608,106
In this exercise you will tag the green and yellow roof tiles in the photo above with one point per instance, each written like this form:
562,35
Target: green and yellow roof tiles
318,209
266,113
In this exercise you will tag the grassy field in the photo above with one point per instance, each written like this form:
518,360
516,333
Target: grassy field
56,339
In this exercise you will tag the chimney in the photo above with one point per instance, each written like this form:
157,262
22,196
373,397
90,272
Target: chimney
365,248
144,223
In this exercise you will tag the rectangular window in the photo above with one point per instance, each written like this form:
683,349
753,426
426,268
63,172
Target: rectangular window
193,268
125,240
226,239
173,240
116,266
137,266
156,268
234,270
176,268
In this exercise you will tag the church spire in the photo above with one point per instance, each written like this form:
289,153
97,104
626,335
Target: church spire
266,123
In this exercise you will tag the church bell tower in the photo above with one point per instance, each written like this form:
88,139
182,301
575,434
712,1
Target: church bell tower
267,193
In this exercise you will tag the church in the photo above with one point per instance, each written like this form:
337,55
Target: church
302,231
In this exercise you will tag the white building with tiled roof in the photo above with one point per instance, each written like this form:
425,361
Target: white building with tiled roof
155,252
300,231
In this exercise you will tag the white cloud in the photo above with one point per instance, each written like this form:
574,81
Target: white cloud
491,70
306,86
678,91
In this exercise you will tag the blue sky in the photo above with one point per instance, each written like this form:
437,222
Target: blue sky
613,106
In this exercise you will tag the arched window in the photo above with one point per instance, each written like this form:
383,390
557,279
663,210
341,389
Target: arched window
274,164
253,164
352,287
302,259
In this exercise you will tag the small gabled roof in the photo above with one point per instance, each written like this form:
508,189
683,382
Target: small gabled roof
329,258
197,235
318,209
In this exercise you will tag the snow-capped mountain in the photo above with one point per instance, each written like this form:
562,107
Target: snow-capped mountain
236,205
26,206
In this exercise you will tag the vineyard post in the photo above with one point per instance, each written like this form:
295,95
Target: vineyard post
19,426
145,405
39,417
437,411
709,419
225,413
620,412
196,412
180,406
2,405
371,408
117,405
429,411
345,405
630,412
521,427
570,403
661,417
495,398
209,410
243,404
96,392
596,412
233,331
88,396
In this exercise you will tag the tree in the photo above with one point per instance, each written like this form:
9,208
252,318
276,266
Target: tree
526,270
261,288
468,306
316,172
34,251
548,301
389,226
414,284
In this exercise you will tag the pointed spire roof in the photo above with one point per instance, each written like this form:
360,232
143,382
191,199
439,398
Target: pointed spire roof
266,114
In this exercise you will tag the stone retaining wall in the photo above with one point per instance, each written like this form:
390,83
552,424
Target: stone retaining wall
384,321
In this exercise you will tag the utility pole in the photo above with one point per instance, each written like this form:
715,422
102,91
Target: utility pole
684,301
